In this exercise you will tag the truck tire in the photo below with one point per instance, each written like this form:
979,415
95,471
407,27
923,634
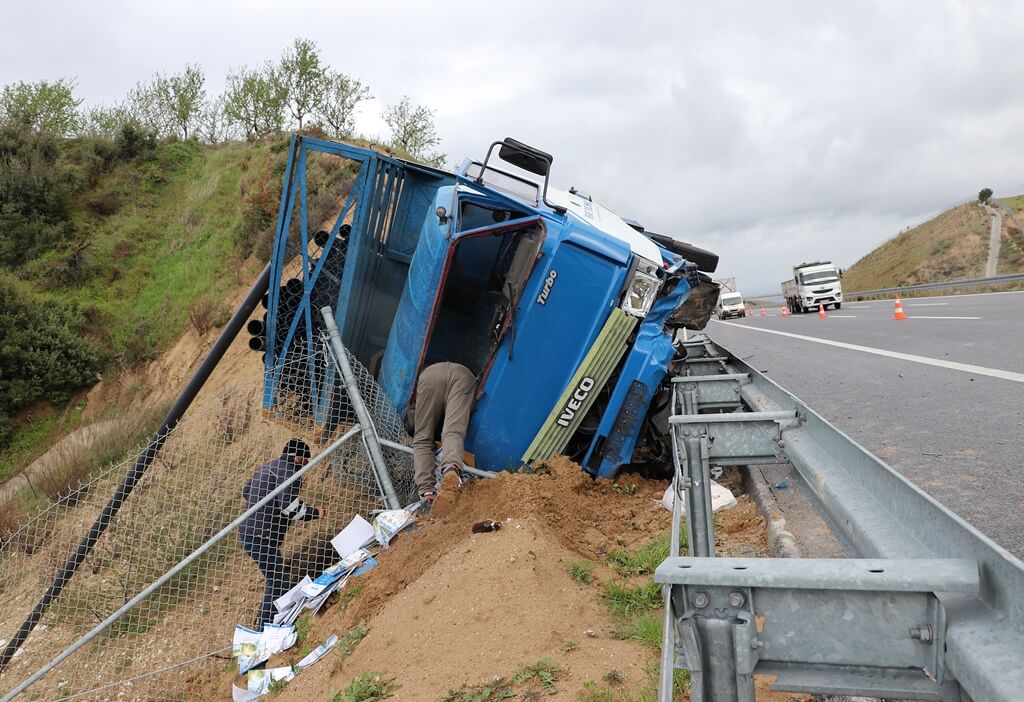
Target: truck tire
838,305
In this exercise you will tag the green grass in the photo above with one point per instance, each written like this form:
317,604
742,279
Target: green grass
625,600
545,672
349,593
347,644
368,687
302,626
644,628
36,437
613,689
644,560
582,572
495,691
1016,202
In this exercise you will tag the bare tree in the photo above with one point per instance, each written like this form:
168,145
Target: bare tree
103,121
212,124
255,101
146,108
181,97
341,96
304,77
412,129
45,107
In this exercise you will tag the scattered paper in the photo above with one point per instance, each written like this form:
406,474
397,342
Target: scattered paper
239,694
357,534
318,652
289,598
721,498
387,524
253,647
370,562
258,681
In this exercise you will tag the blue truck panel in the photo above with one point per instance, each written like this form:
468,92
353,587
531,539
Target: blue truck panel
423,266
644,369
552,341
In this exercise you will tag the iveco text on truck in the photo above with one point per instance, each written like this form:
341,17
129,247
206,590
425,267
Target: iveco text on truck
566,312
813,284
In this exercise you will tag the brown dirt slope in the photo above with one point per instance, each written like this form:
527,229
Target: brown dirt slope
951,246
1011,252
447,608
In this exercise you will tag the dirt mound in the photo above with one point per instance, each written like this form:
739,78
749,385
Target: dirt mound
587,517
447,608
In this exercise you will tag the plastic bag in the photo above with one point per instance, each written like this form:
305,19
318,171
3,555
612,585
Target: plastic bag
721,498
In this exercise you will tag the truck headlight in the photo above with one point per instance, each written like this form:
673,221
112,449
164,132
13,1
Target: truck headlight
642,289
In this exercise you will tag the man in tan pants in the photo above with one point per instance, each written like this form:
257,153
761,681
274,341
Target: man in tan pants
444,393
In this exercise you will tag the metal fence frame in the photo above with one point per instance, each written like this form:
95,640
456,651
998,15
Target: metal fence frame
367,449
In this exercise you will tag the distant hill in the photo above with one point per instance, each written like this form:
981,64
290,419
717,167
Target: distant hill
951,246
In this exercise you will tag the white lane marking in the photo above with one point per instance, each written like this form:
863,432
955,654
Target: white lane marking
925,316
926,304
843,316
952,365
861,307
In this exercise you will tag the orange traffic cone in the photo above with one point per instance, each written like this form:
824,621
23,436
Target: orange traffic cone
821,312
763,313
899,313
785,311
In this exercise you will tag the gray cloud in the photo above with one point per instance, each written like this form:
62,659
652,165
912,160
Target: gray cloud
770,131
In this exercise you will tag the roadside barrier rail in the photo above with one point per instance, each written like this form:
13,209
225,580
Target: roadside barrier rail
946,285
926,607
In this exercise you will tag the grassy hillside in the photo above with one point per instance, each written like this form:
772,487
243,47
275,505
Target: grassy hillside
950,246
157,242
163,236
1011,253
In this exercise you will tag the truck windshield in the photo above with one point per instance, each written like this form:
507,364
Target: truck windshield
733,299
819,277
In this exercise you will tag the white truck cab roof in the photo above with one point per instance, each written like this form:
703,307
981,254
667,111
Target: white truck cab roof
602,218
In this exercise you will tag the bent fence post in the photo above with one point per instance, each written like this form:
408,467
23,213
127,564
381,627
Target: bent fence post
370,438
145,458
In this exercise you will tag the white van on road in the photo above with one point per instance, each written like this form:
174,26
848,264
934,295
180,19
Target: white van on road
730,304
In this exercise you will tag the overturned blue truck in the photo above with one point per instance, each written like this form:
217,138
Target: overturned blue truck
565,312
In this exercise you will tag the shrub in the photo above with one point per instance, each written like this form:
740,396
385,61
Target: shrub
134,141
42,355
35,193
201,314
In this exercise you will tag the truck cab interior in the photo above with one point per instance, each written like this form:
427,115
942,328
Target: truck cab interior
483,280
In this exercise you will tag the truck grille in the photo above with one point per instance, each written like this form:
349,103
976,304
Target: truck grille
577,399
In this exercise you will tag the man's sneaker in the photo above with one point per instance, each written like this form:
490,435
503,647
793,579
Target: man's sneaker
451,476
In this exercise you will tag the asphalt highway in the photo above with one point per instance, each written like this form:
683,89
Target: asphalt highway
938,396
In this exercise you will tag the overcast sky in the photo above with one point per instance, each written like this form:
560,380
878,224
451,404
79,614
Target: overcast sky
770,132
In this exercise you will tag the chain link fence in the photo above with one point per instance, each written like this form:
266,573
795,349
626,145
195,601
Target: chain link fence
175,641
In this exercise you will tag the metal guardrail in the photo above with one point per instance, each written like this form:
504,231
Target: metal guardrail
927,608
947,285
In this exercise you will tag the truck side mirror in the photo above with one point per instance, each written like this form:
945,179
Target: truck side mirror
526,157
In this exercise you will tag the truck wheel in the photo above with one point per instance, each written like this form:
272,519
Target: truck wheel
838,305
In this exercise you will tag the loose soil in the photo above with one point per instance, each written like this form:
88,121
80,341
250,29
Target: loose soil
446,607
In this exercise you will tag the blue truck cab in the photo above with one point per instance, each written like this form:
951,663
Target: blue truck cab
565,312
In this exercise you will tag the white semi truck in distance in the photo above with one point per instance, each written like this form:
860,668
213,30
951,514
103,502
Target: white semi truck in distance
813,284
